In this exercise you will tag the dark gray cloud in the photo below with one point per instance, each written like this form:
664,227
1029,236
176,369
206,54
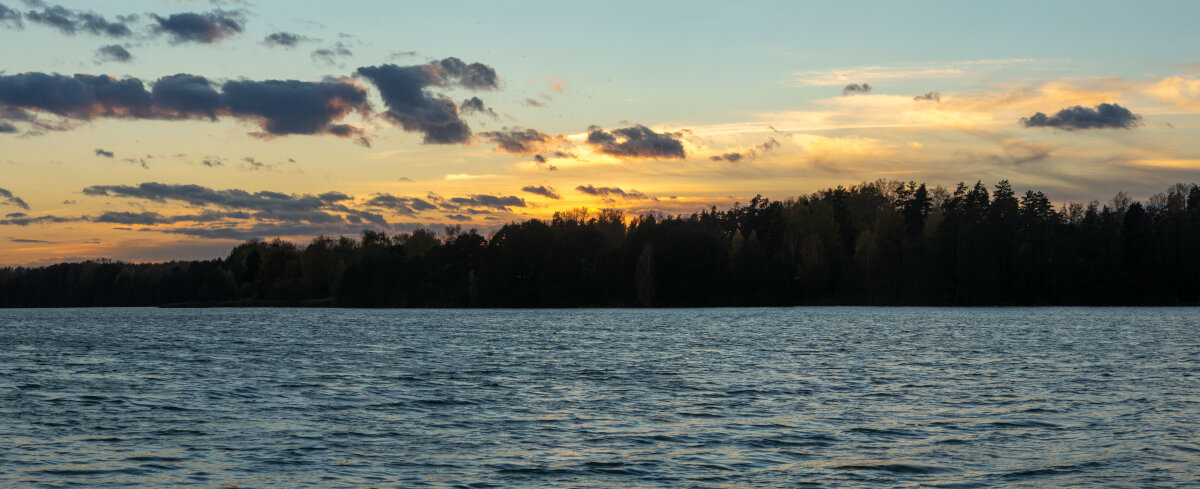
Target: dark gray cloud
143,218
522,141
476,76
403,89
612,192
20,219
7,198
487,201
1103,116
636,142
187,96
264,206
280,106
295,107
7,128
331,56
272,229
348,131
334,196
10,17
930,96
399,204
113,52
80,96
197,195
856,88
72,22
533,103
202,28
284,39
458,217
767,146
34,241
542,190
474,105
103,152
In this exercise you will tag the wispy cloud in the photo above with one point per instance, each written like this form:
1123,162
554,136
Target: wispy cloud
902,71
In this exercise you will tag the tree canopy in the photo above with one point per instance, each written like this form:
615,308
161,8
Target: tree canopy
881,243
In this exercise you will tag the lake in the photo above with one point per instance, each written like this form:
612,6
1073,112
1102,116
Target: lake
809,397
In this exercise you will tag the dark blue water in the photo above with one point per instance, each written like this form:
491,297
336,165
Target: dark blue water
815,397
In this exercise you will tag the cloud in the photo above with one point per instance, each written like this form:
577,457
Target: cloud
330,56
1018,151
138,161
542,190
476,76
20,219
113,52
334,196
636,142
10,199
204,28
533,103
458,217
72,22
903,71
856,88
284,39
326,209
401,205
403,89
295,107
271,229
280,106
6,128
929,96
127,218
104,153
730,157
474,105
251,164
32,241
487,201
186,96
10,17
1103,116
81,96
196,195
610,193
523,141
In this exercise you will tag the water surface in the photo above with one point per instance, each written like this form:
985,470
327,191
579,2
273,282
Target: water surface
811,397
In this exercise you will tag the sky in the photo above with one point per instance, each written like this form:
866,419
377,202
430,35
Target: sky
151,131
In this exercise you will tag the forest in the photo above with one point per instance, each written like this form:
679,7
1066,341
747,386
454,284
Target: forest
880,243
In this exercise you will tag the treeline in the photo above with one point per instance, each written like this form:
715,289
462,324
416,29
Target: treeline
882,243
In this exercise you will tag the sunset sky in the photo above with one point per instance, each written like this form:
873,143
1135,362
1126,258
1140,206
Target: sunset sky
150,131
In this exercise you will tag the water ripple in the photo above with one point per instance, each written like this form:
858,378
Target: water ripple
809,397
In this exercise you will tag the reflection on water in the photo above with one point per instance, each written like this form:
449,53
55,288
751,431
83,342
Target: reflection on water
830,397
